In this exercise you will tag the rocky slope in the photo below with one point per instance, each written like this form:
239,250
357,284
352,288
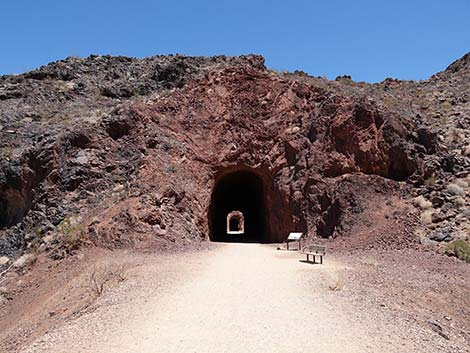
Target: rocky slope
122,152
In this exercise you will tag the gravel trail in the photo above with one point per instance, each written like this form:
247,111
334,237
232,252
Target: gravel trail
234,298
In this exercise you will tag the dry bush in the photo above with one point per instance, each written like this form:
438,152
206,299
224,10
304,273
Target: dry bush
462,183
459,202
426,216
337,285
97,280
421,202
455,136
432,180
104,277
120,272
455,189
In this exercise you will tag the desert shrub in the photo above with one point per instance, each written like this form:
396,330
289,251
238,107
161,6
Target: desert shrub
432,180
459,249
462,183
421,202
459,202
102,277
281,72
7,151
337,285
455,136
73,231
426,216
120,272
446,106
455,189
98,279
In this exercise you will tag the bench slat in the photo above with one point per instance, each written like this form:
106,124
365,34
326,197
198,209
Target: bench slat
315,248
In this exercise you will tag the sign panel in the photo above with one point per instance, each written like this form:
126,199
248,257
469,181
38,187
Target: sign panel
294,236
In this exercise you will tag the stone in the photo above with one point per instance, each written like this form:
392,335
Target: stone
437,201
24,260
466,151
4,260
446,207
441,236
42,248
292,130
466,213
427,138
437,217
48,239
118,188
158,231
82,159
436,327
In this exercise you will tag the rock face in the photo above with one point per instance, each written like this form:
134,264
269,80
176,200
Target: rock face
146,152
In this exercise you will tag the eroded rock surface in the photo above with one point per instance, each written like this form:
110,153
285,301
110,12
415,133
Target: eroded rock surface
133,148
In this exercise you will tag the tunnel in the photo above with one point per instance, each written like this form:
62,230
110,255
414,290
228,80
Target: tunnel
14,204
242,191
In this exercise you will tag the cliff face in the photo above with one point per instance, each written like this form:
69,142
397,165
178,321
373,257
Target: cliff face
143,152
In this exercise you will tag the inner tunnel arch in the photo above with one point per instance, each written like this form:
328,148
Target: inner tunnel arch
267,218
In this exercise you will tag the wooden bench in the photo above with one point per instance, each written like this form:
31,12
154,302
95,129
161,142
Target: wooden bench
315,250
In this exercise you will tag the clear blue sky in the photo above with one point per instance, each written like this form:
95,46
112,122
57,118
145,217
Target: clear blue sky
369,40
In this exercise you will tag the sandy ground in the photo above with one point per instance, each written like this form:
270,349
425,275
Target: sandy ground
237,298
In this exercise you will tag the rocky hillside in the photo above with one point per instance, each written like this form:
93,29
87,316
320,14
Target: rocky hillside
123,152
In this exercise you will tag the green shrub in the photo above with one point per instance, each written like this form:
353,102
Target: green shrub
73,232
7,151
431,180
460,249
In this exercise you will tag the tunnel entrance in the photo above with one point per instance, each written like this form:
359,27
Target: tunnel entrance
14,204
245,192
235,223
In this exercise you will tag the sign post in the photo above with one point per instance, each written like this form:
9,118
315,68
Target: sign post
293,237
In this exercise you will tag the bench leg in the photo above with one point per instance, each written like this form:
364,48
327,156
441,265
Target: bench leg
314,260
307,257
321,259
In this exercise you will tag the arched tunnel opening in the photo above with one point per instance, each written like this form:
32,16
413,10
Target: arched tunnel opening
242,191
14,204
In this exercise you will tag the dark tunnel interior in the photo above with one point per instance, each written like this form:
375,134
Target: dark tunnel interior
234,224
239,191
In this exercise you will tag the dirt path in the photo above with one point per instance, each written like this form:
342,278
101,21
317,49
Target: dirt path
234,298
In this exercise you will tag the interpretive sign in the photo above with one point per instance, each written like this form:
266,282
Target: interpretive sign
294,236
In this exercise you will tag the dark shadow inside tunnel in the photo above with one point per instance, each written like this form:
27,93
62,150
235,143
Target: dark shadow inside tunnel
234,225
14,204
241,191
